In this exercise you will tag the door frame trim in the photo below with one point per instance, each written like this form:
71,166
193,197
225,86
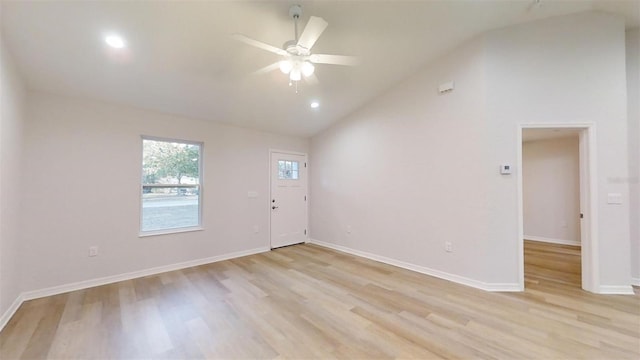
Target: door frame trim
588,201
306,160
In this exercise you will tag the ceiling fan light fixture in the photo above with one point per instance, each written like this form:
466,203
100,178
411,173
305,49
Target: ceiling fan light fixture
296,59
295,74
307,69
286,66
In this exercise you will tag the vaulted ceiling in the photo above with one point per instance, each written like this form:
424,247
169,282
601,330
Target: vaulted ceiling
180,57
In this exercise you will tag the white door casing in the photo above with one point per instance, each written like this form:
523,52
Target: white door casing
288,202
588,203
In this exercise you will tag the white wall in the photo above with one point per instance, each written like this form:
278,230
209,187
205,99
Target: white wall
12,105
83,174
633,98
413,169
568,69
407,172
551,190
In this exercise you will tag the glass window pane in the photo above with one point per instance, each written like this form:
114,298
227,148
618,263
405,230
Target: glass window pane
170,163
169,208
165,162
288,170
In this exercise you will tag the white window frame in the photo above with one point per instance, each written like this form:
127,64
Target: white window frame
200,187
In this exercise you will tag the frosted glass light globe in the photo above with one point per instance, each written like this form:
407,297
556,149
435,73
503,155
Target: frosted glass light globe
307,69
295,75
286,66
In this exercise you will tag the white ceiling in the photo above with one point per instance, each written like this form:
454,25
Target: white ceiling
180,58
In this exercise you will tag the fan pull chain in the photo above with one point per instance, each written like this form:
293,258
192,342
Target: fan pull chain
291,83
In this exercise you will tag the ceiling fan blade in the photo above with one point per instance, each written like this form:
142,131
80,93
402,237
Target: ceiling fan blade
334,59
311,79
312,32
259,44
267,69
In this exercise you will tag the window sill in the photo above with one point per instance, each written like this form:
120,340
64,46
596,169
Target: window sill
170,231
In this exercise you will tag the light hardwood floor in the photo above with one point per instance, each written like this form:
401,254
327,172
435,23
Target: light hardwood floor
552,263
306,301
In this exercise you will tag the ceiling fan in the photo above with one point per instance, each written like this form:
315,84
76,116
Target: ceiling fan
297,60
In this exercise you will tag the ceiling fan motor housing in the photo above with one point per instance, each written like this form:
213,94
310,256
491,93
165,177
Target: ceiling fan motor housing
294,49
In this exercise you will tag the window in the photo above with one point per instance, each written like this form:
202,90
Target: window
171,185
287,170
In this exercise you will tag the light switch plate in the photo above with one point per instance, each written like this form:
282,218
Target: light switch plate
505,169
614,198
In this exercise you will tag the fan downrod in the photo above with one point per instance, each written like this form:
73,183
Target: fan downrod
291,46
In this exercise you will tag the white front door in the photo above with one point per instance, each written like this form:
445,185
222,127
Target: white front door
288,201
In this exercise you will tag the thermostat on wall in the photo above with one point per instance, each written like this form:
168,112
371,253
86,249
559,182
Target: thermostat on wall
505,169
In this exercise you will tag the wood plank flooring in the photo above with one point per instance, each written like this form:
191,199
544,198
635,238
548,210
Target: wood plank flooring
552,263
307,302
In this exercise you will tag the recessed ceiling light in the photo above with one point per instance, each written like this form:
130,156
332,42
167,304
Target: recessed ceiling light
314,104
114,41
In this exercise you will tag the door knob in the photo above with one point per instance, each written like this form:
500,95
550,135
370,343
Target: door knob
274,207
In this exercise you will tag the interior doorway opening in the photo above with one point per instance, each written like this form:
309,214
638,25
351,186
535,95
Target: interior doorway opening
558,239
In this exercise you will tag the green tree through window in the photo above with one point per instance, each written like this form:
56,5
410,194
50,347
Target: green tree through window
169,160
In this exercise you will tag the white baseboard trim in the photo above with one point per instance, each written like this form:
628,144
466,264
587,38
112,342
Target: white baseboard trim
4,319
511,287
136,274
551,240
615,290
635,281
85,284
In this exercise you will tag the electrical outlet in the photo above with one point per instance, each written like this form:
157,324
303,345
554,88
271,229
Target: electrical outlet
348,229
93,251
448,247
